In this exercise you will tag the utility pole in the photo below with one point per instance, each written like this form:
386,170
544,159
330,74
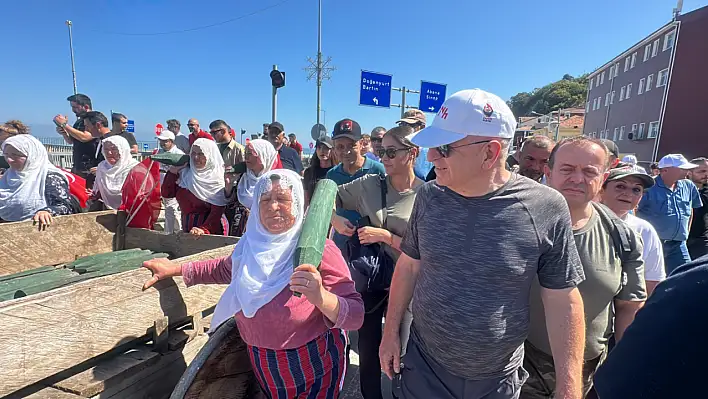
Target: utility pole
274,109
318,69
403,105
71,49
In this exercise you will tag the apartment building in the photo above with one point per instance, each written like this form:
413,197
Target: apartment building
649,99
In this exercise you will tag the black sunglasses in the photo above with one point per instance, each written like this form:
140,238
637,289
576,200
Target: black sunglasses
444,149
390,152
217,131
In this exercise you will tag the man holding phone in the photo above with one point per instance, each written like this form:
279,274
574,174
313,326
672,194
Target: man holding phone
234,166
84,144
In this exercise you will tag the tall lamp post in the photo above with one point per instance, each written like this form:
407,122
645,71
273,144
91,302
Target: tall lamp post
71,49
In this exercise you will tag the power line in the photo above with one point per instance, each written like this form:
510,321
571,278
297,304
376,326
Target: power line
195,28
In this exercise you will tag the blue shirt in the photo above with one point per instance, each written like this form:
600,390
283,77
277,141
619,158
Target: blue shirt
290,159
340,176
670,210
422,166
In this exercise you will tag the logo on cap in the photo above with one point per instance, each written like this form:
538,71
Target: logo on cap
488,112
443,112
346,126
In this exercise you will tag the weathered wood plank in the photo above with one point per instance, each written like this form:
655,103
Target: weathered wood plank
109,373
158,380
52,393
178,245
46,333
24,247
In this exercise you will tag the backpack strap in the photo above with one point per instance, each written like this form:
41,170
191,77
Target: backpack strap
384,206
619,231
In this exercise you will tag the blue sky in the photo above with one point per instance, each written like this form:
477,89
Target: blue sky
504,46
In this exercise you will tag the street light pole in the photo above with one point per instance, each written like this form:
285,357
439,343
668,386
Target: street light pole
71,49
275,100
319,59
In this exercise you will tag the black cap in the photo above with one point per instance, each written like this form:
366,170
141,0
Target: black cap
277,125
347,128
324,140
630,171
612,147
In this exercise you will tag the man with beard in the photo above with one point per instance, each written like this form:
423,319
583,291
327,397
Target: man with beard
288,157
120,128
83,143
698,235
614,287
195,132
533,157
347,146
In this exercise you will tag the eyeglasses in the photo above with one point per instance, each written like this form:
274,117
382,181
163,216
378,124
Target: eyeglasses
376,139
444,149
217,131
390,152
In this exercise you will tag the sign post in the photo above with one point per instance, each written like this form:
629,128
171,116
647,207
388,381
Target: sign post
375,89
432,96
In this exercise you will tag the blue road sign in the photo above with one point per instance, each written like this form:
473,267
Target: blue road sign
432,96
131,126
375,89
146,146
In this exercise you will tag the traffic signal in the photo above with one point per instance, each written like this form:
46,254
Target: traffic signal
277,78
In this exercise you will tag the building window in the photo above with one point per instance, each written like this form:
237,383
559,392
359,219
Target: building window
626,64
653,130
634,130
590,84
594,104
622,90
629,91
662,78
587,107
640,132
669,40
647,52
612,97
614,137
650,81
602,77
634,60
617,69
607,99
612,73
655,48
640,89
621,137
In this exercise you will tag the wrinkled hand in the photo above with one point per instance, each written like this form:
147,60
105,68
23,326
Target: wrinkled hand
390,354
343,226
229,180
61,131
306,279
44,219
196,231
93,170
372,235
61,119
161,269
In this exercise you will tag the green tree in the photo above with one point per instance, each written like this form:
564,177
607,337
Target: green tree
565,93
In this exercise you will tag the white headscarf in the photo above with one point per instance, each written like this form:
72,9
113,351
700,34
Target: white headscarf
206,184
22,192
110,178
262,262
267,154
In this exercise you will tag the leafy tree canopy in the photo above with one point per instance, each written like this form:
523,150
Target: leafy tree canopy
565,93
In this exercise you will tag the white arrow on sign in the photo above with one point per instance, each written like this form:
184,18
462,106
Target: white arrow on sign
376,101
432,108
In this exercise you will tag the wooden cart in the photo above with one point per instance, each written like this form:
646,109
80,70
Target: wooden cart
105,337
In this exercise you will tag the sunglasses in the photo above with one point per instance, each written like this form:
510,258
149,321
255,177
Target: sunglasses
390,152
444,150
217,131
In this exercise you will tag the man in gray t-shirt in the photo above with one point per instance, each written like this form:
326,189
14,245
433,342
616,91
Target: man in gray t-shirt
476,240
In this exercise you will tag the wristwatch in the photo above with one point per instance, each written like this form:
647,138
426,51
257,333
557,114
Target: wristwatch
63,125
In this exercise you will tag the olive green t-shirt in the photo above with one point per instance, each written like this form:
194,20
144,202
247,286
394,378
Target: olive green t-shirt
606,279
364,196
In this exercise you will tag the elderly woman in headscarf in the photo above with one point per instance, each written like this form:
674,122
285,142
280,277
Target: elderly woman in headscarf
261,158
112,172
310,329
199,189
32,188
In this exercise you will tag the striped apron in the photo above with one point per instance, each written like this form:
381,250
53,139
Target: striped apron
313,371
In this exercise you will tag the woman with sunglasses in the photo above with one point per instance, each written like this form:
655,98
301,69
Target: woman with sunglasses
321,162
363,195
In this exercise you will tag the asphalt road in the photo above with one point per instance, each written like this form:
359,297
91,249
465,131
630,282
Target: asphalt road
351,380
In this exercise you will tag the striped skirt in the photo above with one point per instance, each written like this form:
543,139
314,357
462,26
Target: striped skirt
313,371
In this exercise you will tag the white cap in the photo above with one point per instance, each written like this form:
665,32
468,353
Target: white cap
630,159
676,161
166,135
468,113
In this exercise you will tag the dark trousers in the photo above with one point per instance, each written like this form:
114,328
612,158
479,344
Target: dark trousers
370,334
697,247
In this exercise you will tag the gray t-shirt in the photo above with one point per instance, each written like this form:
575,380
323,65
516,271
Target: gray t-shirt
364,196
606,279
478,257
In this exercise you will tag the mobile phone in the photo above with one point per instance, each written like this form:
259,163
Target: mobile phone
363,222
237,168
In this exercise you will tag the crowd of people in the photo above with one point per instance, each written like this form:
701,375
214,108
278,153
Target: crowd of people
495,275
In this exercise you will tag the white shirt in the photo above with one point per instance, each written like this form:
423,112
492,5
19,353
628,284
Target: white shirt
653,253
